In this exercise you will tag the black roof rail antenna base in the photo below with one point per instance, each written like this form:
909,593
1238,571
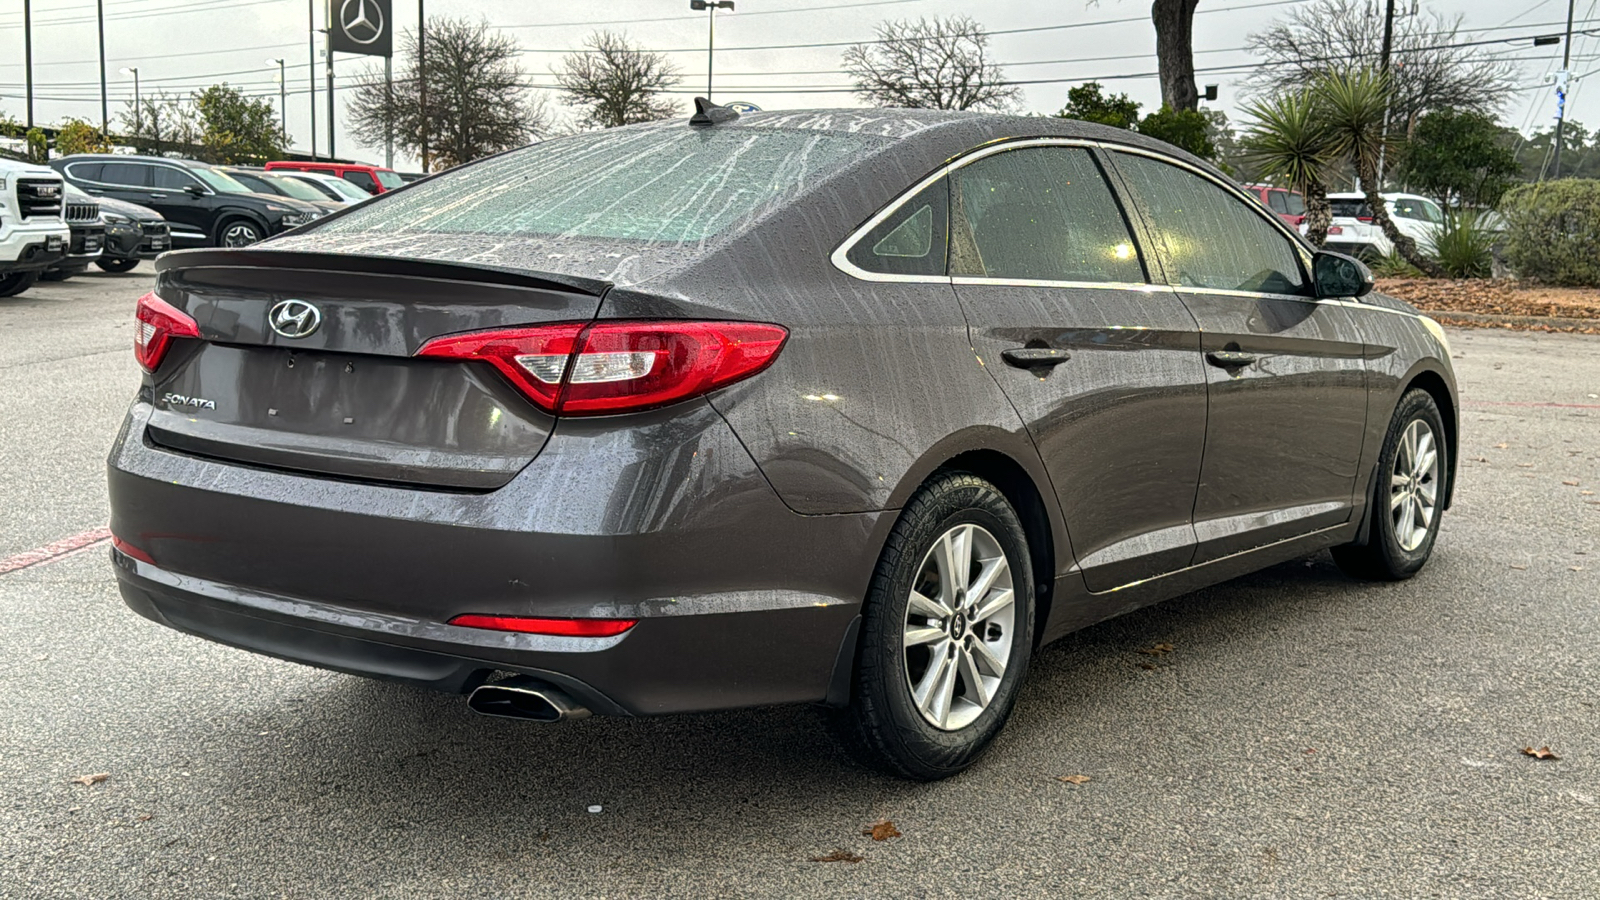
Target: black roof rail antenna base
708,113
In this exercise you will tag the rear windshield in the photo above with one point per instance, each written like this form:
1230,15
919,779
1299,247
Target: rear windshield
672,184
1351,209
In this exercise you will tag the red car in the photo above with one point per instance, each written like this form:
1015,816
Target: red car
372,179
1289,205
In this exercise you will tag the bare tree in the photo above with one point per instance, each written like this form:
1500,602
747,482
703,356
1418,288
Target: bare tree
163,123
614,82
930,64
479,101
1330,36
1174,21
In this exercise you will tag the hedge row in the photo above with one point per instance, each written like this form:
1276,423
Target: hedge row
1553,231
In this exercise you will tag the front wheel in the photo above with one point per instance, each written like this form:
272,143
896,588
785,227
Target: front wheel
1407,498
946,636
17,282
239,233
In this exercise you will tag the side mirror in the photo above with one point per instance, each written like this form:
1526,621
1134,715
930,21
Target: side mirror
194,190
1336,275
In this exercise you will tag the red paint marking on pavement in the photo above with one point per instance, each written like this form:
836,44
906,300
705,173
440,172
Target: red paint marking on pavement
54,551
1531,403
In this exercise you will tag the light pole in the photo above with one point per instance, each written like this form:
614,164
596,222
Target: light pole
311,68
105,117
711,7
27,52
138,122
283,98
422,80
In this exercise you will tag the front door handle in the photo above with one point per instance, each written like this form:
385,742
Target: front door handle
1035,357
1230,359
158,196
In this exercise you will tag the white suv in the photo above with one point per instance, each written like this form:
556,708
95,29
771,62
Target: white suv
33,225
1354,232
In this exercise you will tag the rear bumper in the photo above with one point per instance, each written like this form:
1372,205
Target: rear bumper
662,665
664,518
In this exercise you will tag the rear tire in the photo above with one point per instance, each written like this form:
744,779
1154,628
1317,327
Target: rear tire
238,233
17,282
1407,495
117,266
938,669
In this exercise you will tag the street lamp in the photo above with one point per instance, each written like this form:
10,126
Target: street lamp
283,98
711,7
138,126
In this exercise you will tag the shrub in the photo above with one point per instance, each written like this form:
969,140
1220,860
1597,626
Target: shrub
1393,265
1553,231
1463,247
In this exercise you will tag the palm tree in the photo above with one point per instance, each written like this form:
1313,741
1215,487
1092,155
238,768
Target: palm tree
1352,103
1292,143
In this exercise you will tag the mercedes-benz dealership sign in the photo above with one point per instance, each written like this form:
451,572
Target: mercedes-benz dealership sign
360,26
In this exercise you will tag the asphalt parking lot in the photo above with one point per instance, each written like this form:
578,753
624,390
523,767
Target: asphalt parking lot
1306,736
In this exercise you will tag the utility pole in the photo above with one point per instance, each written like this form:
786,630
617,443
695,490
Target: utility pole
711,7
1388,50
138,122
27,52
1561,92
330,89
422,79
283,99
311,69
105,117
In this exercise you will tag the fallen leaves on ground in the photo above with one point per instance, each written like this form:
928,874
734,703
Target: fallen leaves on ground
844,856
881,830
1570,483
1498,297
87,780
1073,779
1515,566
1541,753
1157,650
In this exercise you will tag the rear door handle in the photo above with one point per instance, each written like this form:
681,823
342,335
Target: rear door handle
1035,357
158,196
1230,359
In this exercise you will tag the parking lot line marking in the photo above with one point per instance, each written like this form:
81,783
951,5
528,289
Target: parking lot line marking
1531,403
55,550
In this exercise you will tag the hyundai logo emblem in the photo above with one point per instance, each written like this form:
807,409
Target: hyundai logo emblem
294,318
361,23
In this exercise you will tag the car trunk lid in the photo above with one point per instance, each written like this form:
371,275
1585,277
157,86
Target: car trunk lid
335,388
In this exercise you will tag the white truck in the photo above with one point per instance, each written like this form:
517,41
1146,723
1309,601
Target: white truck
33,227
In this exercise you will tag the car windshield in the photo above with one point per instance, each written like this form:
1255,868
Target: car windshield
1350,209
390,180
219,181
344,189
670,184
295,188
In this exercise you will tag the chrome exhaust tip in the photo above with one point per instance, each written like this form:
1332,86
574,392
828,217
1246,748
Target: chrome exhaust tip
525,699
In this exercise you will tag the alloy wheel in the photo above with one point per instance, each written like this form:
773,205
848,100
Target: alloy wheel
240,234
1414,486
958,628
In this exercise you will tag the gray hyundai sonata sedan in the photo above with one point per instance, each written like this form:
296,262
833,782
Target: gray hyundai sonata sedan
850,408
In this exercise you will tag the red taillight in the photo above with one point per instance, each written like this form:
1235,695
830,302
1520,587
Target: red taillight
156,323
608,367
127,549
562,627
1364,219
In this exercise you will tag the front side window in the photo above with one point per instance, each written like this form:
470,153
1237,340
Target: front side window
1207,237
1039,213
1276,201
913,241
1295,204
169,178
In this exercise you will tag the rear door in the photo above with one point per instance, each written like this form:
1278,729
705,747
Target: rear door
1286,373
340,393
1103,367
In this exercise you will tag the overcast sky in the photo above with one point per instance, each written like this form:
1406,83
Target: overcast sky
181,45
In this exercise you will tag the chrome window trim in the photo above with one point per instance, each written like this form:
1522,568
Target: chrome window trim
1143,286
840,259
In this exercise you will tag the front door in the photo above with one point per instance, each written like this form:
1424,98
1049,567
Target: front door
183,200
1102,366
1286,373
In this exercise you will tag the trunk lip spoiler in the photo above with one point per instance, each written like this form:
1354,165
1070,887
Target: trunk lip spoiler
372,264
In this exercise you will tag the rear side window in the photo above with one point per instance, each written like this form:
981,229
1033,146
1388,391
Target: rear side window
667,184
126,174
361,180
913,241
1039,214
1207,237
